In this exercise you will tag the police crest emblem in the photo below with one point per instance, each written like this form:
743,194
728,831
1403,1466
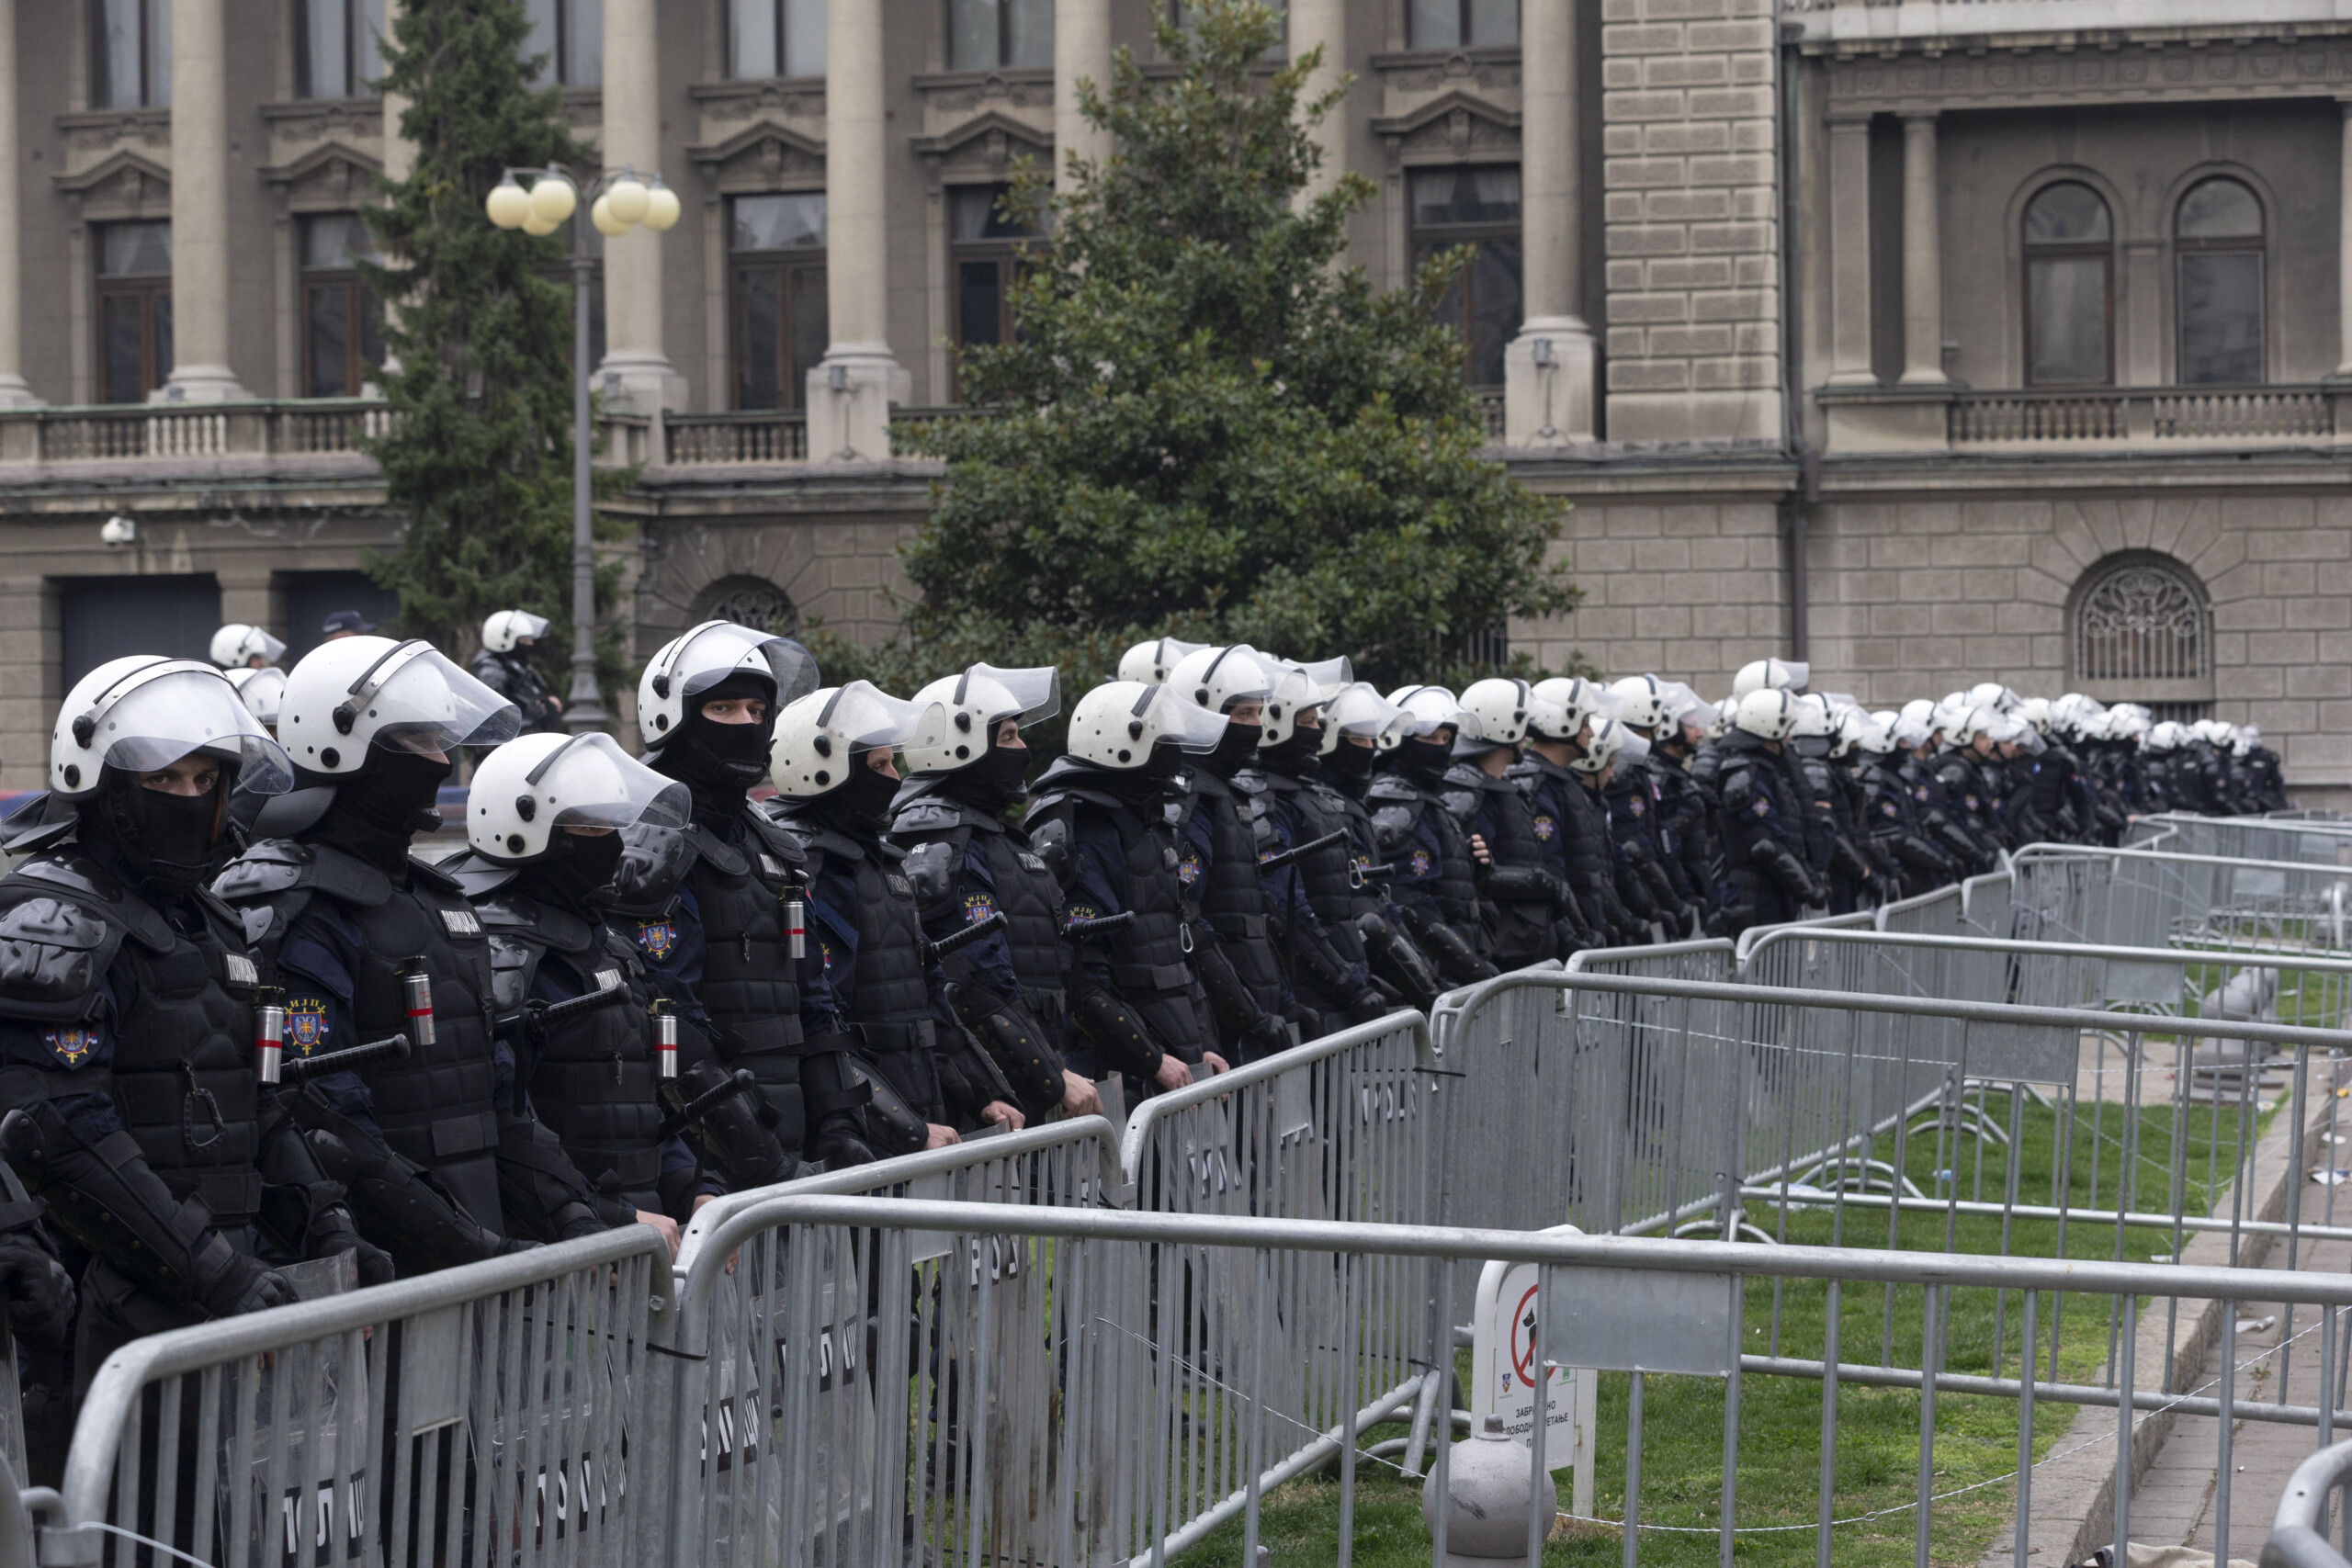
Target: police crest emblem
306,1024
71,1046
1545,826
1420,864
657,938
1188,868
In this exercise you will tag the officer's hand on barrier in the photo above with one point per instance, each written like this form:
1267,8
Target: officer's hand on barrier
1173,1074
665,1225
997,1111
1080,1097
247,1286
938,1137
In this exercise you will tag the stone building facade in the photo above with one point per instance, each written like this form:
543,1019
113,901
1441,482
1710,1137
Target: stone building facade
1934,342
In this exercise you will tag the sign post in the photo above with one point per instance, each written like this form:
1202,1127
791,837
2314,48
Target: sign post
1503,1380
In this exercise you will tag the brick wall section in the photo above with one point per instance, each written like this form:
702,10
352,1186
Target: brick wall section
1693,219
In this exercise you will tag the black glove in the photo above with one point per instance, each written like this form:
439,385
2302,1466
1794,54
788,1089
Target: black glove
1264,1036
228,1284
333,1232
39,1292
838,1141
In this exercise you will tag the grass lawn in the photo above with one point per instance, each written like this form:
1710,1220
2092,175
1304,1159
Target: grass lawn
1878,1430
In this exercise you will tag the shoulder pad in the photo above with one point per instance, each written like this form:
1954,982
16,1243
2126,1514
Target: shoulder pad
54,957
1392,825
513,962
101,893
1052,840
654,861
779,837
479,877
1461,803
37,824
929,814
1466,773
283,815
278,865
709,846
1388,787
930,868
1250,781
433,877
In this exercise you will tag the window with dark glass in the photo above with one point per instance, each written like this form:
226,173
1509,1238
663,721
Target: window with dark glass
342,323
130,53
1463,24
987,246
2069,287
989,35
571,34
134,309
776,38
776,296
338,47
2216,243
1477,207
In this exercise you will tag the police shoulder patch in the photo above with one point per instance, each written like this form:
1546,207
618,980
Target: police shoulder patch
71,1046
656,939
1762,807
306,1023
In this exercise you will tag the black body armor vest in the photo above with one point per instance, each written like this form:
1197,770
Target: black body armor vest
1398,807
1232,901
1026,891
1332,886
891,997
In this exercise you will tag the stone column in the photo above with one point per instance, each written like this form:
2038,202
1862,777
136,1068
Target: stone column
1081,52
399,161
1923,256
14,392
637,373
1548,369
199,209
1324,24
1849,253
2344,249
850,391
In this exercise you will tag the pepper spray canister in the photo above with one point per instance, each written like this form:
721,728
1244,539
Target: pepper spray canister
269,1035
417,999
795,925
665,1041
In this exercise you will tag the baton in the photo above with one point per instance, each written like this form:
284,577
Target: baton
972,933
1077,929
556,1012
700,1106
301,1067
1276,862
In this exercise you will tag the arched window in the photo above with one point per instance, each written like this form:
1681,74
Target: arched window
2216,243
2069,287
2141,622
749,601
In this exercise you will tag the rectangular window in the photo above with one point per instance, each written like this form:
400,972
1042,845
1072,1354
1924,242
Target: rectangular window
338,47
570,35
342,323
1477,207
2220,318
776,296
987,35
134,309
986,249
1464,24
131,54
777,37
2066,298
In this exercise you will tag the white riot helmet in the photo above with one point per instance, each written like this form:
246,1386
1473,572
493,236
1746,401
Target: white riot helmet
1217,678
2164,737
1915,725
527,789
686,666
977,701
146,712
1992,694
1768,713
1296,692
1967,726
505,629
262,690
1358,709
1846,728
1118,724
1432,709
1609,738
2212,731
1686,709
358,693
236,645
1579,700
820,738
1641,700
1149,662
2036,712
1874,733
1771,675
1496,709
1810,715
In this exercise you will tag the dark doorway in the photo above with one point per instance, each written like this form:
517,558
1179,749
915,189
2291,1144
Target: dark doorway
312,597
113,617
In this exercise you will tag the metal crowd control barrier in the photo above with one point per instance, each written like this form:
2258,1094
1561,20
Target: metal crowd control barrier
2299,1529
943,1458
2248,837
482,1416
2141,898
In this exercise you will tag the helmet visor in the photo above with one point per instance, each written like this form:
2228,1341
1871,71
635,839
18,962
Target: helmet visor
530,625
1162,715
864,717
592,782
416,700
720,648
1329,674
1431,709
262,690
1036,691
181,709
1359,709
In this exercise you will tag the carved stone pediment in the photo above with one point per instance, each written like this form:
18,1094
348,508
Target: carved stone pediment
333,179
309,120
1450,128
762,157
128,184
983,148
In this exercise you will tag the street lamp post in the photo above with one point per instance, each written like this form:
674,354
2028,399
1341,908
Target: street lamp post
619,201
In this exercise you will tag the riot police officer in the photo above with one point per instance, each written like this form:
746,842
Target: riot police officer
706,908
870,988
508,640
543,822
1963,776
1889,813
240,647
1568,818
1113,799
1765,878
1435,883
1357,724
965,862
1524,898
126,1023
370,942
1636,806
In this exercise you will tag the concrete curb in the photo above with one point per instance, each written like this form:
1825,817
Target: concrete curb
2072,1500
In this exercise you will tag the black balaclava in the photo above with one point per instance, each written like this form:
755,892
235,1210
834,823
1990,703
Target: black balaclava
1423,761
1348,765
1139,785
860,804
1235,748
164,841
718,762
993,781
391,800
578,871
1294,755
